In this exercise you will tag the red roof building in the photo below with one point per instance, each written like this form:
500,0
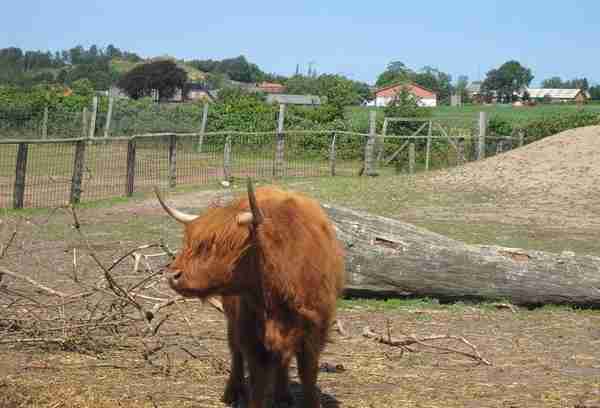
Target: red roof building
425,97
271,88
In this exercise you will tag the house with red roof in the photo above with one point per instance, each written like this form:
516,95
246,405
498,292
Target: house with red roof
271,88
424,96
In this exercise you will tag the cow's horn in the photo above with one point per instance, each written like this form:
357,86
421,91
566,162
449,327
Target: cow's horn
257,217
244,218
178,215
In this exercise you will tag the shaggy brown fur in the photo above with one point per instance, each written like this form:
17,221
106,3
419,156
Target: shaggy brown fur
279,290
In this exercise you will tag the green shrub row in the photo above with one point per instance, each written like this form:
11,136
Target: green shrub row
537,129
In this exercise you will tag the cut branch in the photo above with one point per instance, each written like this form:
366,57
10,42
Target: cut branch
38,285
410,340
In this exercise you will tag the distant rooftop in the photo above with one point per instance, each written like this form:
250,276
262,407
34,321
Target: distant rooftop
294,99
554,93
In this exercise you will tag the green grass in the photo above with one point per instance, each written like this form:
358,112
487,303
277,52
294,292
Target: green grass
474,217
429,304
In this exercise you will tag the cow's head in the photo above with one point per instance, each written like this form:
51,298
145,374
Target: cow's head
213,244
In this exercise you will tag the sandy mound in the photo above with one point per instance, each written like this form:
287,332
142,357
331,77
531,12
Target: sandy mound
554,182
565,166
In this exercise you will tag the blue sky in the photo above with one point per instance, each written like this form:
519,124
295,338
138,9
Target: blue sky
356,39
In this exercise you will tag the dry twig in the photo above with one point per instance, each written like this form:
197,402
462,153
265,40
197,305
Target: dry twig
409,340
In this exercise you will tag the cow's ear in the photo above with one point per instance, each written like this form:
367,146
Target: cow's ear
244,218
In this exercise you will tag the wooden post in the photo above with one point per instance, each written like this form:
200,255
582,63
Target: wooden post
93,121
227,159
76,179
428,151
460,151
369,146
280,144
84,115
499,146
521,138
381,147
108,117
45,124
482,132
172,160
332,155
20,171
130,187
411,158
202,128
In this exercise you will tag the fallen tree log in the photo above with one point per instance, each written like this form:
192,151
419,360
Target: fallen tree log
392,257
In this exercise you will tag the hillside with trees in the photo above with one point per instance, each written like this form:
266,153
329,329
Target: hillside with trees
29,68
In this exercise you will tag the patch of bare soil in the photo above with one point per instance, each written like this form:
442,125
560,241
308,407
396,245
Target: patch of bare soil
542,358
552,181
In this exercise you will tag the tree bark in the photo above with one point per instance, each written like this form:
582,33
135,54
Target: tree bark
390,257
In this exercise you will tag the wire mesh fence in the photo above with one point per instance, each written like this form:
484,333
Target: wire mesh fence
105,170
47,173
76,156
8,160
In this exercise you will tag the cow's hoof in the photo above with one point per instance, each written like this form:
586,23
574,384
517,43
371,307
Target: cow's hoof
233,394
284,398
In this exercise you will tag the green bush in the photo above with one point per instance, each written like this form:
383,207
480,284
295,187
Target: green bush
498,126
550,125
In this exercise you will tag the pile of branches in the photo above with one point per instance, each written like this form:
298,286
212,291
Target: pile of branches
99,305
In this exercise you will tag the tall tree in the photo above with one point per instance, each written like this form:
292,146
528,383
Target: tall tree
507,80
163,75
395,72
435,80
553,83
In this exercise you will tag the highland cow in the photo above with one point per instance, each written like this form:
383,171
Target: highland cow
274,259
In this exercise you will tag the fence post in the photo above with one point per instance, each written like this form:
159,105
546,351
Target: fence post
280,143
129,188
227,159
521,138
202,128
411,158
77,177
369,165
482,132
332,155
381,148
460,150
93,121
84,114
172,160
108,117
45,124
20,171
499,146
428,151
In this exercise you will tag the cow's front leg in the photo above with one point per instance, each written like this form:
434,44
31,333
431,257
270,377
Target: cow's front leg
282,385
234,391
261,374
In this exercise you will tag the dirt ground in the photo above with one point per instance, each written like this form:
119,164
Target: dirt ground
543,196
547,357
